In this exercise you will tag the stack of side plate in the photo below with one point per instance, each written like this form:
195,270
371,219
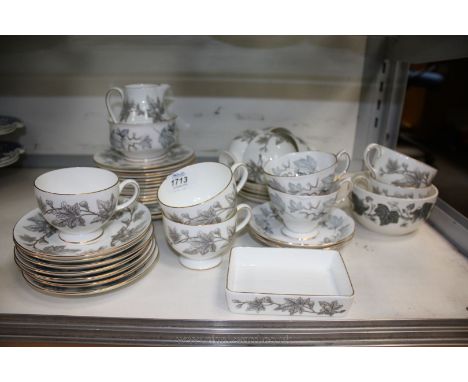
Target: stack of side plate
255,192
9,124
10,153
121,255
148,174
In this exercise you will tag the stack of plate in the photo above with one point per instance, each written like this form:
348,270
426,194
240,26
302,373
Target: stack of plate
255,192
10,153
122,254
148,174
9,124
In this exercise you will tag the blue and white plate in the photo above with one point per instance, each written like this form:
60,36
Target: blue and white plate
9,153
267,227
9,124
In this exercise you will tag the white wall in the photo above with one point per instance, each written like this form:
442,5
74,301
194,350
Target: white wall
308,84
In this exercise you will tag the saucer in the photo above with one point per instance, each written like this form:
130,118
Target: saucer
34,235
267,226
9,124
94,289
113,160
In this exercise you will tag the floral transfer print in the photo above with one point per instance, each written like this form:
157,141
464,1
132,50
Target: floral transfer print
41,232
390,214
155,110
214,214
73,215
167,137
298,305
303,166
319,187
124,140
247,136
202,243
412,178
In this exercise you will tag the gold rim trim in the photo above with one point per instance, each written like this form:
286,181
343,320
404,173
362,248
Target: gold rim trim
148,266
290,294
78,193
207,200
301,152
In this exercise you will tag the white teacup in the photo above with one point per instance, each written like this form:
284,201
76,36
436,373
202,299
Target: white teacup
143,141
307,172
203,193
202,247
141,103
391,167
394,191
78,201
302,214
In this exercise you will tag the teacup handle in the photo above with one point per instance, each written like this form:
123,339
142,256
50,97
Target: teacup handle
227,158
367,152
345,187
343,161
247,217
240,183
362,178
136,193
108,95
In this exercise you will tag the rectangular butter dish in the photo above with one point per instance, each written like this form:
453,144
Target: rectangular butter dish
288,281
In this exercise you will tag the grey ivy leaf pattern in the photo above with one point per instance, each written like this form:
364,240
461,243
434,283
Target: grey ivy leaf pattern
277,203
305,166
202,242
72,215
59,249
330,308
125,233
308,210
123,139
391,213
216,213
105,209
155,109
127,108
291,305
256,170
247,136
411,178
27,238
264,220
167,136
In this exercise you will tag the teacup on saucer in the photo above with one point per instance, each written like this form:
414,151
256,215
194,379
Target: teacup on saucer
267,226
79,201
302,214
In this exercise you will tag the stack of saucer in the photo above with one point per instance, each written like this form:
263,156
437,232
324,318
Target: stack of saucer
305,189
255,192
149,174
122,254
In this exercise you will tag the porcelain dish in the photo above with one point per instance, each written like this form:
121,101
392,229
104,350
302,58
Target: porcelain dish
266,226
291,282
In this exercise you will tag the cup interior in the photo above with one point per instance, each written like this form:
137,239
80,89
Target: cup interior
303,163
76,180
194,184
